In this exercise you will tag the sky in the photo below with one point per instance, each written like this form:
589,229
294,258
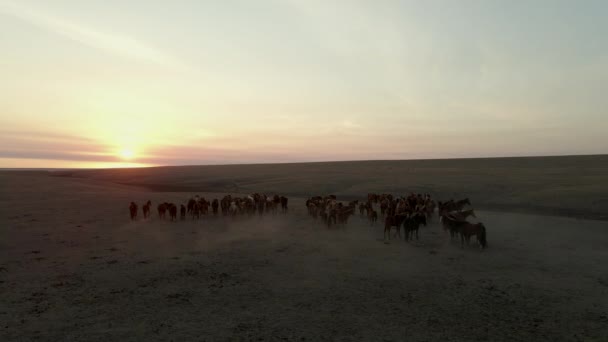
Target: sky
143,83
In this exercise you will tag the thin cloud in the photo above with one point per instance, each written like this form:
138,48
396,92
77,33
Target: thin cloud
55,155
118,45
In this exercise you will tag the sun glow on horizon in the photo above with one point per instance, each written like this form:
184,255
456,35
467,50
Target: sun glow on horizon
127,154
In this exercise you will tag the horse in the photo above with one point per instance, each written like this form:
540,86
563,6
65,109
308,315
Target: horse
372,198
214,206
284,203
191,203
344,214
463,202
172,211
324,217
458,205
146,209
332,217
373,216
162,209
133,210
463,214
393,221
452,205
196,211
383,207
412,224
313,210
452,224
225,204
362,209
429,209
469,229
182,212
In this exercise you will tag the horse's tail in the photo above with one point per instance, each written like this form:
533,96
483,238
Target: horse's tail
482,237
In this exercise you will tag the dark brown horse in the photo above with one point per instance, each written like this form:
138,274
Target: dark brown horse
469,229
362,209
462,215
383,206
191,203
461,203
284,203
412,224
452,224
182,212
214,205
452,205
172,211
133,210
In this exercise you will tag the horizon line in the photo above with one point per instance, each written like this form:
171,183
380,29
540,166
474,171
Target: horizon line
306,162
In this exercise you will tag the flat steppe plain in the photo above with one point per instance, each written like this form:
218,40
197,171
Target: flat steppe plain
73,267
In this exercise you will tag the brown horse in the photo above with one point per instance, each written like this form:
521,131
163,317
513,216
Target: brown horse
162,209
146,209
373,216
393,221
469,229
133,210
196,211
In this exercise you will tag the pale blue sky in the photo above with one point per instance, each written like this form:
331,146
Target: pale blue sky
88,83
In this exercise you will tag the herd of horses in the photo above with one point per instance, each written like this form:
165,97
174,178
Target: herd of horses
198,206
404,212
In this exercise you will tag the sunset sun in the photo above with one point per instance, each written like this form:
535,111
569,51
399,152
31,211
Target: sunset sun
126,154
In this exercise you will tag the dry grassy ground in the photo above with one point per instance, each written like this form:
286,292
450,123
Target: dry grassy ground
73,267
